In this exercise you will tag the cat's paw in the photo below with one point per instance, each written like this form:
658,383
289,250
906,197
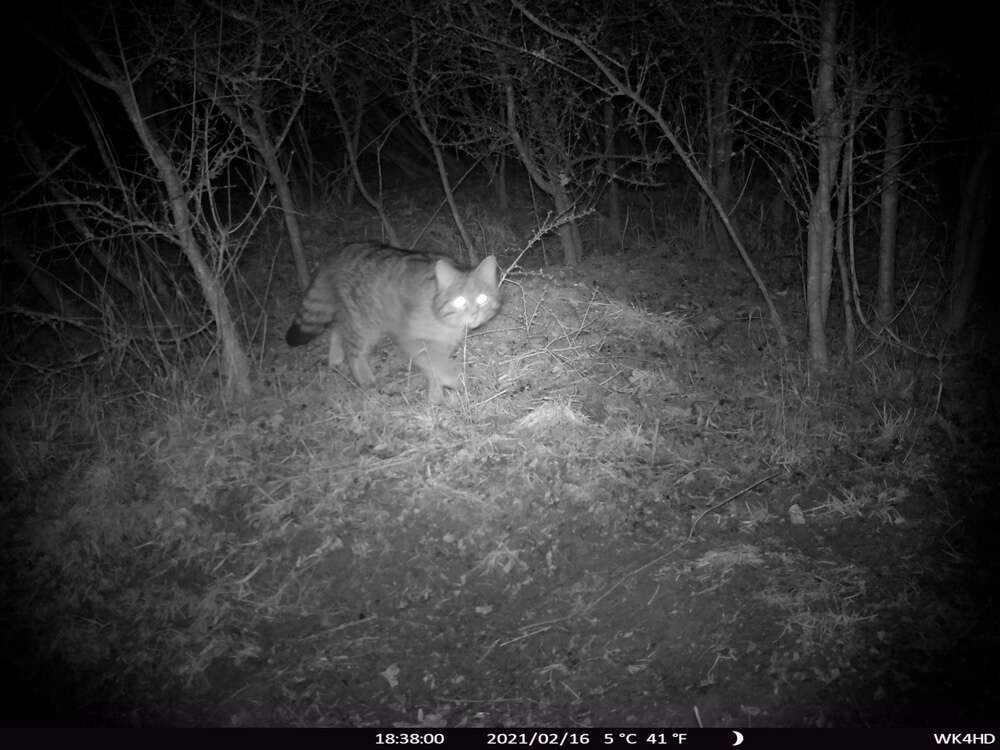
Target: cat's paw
435,393
362,372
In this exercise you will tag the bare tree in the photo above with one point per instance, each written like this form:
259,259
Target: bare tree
529,110
719,36
844,231
118,73
814,131
611,83
260,83
138,273
819,245
891,169
544,124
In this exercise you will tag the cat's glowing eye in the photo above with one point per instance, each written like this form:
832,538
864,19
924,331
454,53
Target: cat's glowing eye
481,300
460,303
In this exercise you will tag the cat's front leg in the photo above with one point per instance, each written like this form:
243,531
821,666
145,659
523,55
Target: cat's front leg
433,360
440,370
362,371
335,358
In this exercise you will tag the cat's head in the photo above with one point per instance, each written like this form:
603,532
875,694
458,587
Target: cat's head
467,299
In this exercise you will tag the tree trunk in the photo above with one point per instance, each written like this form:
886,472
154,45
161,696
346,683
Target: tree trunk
970,235
569,235
235,365
779,229
886,301
819,249
305,195
721,158
820,225
260,136
352,142
844,234
610,167
499,178
548,182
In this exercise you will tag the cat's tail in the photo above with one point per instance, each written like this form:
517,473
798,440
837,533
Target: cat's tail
298,335
315,313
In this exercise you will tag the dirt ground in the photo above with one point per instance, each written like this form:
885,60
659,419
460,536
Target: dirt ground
639,512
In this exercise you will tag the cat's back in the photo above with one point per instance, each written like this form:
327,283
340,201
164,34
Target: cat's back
368,287
366,268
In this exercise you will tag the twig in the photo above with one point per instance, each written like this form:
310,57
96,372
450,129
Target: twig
729,499
550,224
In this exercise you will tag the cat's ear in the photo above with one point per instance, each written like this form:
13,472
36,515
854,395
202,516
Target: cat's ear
446,274
486,271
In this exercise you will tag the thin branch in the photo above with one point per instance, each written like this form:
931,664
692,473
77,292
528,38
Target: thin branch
42,177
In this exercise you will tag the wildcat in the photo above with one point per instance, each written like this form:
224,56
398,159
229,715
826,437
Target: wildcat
424,301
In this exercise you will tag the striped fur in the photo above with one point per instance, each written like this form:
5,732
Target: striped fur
424,301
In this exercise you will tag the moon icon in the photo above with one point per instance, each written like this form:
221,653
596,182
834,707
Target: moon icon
739,738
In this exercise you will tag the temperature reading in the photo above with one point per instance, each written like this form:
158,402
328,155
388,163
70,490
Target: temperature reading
654,738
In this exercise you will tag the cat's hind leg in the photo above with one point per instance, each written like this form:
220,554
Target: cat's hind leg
358,348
